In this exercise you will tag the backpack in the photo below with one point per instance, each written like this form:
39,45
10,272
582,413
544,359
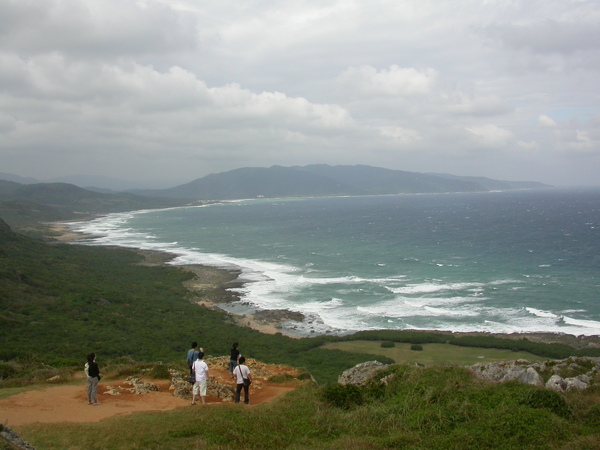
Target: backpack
86,369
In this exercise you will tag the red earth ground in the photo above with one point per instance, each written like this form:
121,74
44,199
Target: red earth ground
68,403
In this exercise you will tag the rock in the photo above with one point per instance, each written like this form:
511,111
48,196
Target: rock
508,371
110,390
361,373
556,383
575,384
529,373
278,315
532,377
13,439
388,379
139,386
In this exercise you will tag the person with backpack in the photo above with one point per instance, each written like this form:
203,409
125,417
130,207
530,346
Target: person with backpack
243,381
93,377
192,356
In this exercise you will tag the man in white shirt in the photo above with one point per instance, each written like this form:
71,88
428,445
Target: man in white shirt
242,374
201,372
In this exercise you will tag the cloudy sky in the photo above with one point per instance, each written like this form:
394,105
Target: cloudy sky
172,90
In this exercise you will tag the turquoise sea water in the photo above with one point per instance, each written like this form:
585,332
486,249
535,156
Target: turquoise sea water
515,261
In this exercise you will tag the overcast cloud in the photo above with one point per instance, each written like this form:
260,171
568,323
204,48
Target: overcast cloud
174,90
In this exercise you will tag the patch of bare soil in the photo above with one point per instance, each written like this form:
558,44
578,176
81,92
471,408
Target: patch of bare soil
68,403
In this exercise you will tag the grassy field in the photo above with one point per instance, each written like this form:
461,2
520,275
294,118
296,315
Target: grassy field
419,408
433,354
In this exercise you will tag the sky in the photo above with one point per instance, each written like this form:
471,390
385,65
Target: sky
163,92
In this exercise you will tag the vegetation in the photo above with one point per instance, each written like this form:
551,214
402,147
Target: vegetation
432,354
25,207
60,302
420,408
546,350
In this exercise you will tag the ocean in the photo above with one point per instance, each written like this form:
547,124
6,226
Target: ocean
499,262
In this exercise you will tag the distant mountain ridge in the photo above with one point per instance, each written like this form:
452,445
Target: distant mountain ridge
22,204
325,180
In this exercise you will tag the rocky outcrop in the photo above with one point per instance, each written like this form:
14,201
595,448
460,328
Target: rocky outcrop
138,386
182,388
361,373
12,439
508,371
278,315
573,374
562,376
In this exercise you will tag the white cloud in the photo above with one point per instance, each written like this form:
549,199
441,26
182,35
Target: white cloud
395,81
402,135
179,88
491,135
546,122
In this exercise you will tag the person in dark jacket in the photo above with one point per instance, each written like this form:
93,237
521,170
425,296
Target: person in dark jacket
93,372
233,359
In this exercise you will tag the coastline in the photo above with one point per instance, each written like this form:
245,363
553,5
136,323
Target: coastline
212,286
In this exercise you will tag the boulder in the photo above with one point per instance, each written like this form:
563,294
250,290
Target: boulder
12,439
556,383
361,373
575,384
508,371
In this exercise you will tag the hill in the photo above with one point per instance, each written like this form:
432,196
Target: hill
23,206
325,180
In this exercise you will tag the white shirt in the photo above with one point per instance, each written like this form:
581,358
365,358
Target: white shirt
241,371
201,370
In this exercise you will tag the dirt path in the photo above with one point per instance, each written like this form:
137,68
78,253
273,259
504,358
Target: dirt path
68,403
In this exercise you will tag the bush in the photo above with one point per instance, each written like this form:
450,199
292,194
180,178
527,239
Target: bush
416,347
6,371
343,396
592,417
160,372
387,344
550,400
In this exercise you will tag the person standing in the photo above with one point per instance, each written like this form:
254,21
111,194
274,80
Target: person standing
200,369
192,355
243,380
233,359
93,373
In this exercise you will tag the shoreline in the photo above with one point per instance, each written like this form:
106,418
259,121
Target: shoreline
212,285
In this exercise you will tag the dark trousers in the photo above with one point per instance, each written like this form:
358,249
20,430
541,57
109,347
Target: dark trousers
238,391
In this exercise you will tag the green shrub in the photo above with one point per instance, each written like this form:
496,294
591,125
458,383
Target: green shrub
550,400
281,378
7,371
343,396
160,372
416,347
592,417
387,344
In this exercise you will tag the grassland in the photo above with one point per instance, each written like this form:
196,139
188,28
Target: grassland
433,354
420,408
